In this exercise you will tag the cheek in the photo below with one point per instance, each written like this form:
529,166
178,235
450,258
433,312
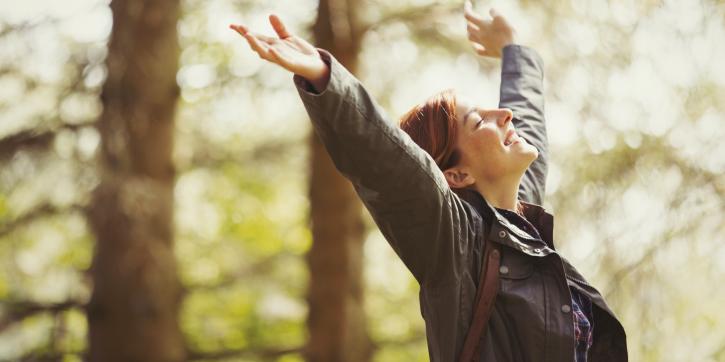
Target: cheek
483,147
486,141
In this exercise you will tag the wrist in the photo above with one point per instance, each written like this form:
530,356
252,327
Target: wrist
507,45
509,39
318,76
316,71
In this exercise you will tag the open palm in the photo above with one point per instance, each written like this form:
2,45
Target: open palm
288,51
488,36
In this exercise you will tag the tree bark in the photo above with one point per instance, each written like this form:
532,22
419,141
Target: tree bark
336,321
133,311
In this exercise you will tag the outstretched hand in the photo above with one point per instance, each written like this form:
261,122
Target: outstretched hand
288,51
488,35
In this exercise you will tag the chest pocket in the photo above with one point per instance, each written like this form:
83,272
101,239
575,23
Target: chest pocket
515,264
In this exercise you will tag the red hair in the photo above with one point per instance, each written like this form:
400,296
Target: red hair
432,125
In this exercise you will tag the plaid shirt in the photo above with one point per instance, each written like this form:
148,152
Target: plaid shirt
583,331
581,306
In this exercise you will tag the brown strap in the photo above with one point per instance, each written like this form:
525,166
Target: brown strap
485,298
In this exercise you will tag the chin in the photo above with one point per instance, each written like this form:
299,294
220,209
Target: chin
530,149
524,158
529,157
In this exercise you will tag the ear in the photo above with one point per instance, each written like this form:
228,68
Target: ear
458,178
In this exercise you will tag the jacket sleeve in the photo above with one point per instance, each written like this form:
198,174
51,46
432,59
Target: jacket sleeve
407,195
522,74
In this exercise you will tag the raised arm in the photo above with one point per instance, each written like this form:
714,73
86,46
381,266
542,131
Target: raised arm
425,222
522,74
522,92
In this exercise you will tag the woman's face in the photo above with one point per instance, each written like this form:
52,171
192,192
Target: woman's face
489,145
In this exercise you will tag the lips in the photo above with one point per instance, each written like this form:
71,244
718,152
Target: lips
511,138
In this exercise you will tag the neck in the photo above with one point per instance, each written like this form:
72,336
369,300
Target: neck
501,193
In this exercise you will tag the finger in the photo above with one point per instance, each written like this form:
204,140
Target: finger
473,37
482,51
241,29
467,6
472,28
496,15
273,55
479,48
259,47
266,39
278,26
471,16
278,58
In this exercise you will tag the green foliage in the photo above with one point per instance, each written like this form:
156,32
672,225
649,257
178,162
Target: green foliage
3,207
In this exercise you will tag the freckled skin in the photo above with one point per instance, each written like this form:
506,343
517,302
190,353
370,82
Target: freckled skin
482,147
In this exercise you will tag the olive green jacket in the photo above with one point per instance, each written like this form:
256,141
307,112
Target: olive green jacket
439,233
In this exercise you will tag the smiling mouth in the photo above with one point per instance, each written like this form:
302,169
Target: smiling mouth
511,138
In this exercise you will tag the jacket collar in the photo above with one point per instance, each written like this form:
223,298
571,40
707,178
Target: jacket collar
542,220
535,214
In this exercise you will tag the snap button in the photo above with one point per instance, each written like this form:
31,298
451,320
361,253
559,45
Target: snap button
502,234
565,308
503,269
537,250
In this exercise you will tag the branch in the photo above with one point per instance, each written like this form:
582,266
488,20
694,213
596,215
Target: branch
418,15
667,237
15,312
6,28
272,353
24,27
39,212
258,353
718,352
208,154
34,139
36,356
256,268
42,138
415,338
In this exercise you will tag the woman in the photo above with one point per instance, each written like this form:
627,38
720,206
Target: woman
451,181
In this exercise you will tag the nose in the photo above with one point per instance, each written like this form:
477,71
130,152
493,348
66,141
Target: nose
503,116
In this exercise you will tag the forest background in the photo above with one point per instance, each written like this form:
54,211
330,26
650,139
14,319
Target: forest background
145,150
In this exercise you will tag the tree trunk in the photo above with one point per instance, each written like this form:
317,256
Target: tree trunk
132,314
336,322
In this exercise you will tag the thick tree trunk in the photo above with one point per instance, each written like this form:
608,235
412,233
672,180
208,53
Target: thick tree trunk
132,314
336,321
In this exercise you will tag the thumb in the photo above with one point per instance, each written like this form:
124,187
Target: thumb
494,13
279,27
